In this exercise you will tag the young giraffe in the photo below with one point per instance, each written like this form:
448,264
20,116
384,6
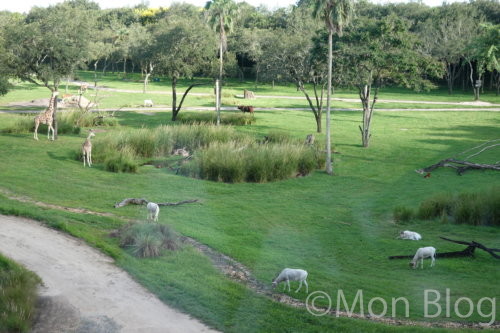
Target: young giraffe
47,117
87,149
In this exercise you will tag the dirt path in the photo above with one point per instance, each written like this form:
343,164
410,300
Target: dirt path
83,290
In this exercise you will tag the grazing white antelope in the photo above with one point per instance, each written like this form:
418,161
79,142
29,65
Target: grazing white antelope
290,274
153,211
87,149
423,252
411,235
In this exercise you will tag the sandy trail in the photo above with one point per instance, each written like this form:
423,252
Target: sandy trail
83,290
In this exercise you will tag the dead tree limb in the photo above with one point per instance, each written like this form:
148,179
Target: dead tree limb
460,166
464,164
177,203
142,201
467,252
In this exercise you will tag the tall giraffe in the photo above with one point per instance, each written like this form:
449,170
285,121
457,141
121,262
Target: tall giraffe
87,149
47,117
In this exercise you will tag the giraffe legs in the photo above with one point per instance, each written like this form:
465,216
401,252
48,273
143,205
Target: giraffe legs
35,135
48,131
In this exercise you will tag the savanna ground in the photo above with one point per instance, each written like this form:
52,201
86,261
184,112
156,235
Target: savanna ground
340,229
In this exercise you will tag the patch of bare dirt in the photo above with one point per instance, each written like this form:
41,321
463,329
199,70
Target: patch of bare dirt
70,102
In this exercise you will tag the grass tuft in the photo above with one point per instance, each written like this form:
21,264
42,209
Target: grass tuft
474,208
18,290
148,239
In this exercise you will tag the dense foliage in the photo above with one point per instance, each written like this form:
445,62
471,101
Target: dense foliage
18,288
475,208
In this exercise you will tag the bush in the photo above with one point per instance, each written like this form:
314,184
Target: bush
221,153
148,239
233,162
403,214
475,208
121,161
68,122
437,206
235,119
18,290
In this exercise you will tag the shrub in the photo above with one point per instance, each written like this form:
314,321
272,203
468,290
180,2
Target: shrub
475,208
21,124
148,239
221,153
235,119
279,137
68,122
121,161
18,288
233,162
439,205
403,214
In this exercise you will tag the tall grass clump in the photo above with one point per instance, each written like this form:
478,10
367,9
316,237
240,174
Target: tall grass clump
235,119
277,136
436,206
123,160
403,214
68,122
148,239
474,208
233,162
26,124
220,153
18,290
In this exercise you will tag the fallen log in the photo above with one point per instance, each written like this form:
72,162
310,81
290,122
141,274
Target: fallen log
463,164
142,201
467,252
460,166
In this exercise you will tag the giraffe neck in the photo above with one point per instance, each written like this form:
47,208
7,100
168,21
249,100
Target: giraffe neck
50,109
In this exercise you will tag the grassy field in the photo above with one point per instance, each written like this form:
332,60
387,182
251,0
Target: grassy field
340,229
18,288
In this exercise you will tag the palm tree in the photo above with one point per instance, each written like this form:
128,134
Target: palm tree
220,15
336,15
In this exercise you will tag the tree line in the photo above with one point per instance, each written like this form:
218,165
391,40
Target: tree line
318,45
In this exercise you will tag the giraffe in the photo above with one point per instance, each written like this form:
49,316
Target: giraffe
47,117
87,149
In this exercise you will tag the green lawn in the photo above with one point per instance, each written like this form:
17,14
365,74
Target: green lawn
339,228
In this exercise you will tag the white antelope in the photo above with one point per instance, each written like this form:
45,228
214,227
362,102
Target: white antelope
289,274
423,252
153,211
411,235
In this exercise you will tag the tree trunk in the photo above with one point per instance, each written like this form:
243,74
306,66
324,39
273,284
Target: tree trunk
174,98
317,112
217,100
329,167
475,87
54,116
364,95
124,67
105,66
95,72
